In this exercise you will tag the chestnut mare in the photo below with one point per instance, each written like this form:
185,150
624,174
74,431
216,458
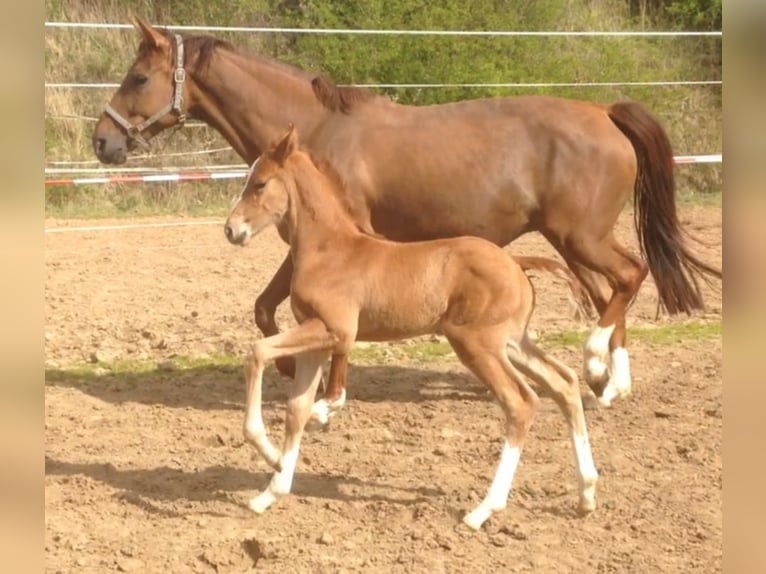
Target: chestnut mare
348,285
565,168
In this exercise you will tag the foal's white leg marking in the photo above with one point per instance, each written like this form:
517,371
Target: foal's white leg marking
497,495
619,381
281,482
586,471
596,349
323,409
255,431
308,373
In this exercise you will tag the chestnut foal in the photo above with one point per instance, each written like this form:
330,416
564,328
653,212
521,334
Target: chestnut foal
348,285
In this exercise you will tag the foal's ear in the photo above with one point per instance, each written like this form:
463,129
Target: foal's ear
287,145
150,34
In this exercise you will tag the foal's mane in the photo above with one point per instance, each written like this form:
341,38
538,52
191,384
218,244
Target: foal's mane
338,189
339,98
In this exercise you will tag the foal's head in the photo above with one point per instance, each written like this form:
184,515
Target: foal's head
265,198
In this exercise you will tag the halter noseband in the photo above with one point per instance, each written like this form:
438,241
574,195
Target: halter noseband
179,77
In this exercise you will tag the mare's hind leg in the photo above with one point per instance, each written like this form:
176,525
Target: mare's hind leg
561,383
596,350
484,355
625,272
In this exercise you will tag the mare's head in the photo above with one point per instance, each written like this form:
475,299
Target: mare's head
149,99
265,197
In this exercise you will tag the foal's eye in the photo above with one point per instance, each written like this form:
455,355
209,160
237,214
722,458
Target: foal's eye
140,79
258,186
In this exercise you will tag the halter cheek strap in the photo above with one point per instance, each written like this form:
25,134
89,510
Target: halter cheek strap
179,77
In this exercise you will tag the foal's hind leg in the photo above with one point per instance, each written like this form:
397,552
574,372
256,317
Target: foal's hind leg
561,383
484,356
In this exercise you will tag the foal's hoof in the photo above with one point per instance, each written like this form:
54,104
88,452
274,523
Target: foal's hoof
260,503
586,506
476,518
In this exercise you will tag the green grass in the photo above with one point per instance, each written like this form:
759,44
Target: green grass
416,351
662,335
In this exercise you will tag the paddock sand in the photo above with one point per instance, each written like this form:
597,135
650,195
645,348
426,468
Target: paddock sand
147,471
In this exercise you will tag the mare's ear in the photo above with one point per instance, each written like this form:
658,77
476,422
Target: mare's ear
150,34
287,145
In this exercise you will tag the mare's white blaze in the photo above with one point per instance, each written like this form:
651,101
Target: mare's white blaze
497,495
619,380
281,482
322,410
596,348
586,471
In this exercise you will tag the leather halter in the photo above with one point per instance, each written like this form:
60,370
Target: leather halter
179,77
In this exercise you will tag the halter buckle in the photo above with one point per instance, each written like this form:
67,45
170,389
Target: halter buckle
179,76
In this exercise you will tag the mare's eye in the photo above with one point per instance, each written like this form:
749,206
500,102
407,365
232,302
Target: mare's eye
258,186
139,79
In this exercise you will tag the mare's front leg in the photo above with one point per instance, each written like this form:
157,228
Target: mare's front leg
266,305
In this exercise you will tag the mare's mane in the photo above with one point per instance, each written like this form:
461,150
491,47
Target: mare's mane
333,97
339,98
202,45
205,46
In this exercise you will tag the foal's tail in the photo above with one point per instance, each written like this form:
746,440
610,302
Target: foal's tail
674,267
578,296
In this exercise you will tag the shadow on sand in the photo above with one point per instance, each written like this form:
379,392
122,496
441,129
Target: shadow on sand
150,488
216,387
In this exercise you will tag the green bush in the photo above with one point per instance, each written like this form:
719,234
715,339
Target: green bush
692,115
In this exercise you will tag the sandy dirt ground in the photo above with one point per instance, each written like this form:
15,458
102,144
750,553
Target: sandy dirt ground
148,471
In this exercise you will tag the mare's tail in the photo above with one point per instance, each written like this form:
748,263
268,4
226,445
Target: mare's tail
674,267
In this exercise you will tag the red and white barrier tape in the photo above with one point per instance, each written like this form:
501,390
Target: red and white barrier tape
151,178
713,158
208,175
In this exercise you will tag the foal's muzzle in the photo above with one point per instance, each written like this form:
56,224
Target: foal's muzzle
235,237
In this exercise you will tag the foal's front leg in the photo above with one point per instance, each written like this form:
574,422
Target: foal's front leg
307,376
310,336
